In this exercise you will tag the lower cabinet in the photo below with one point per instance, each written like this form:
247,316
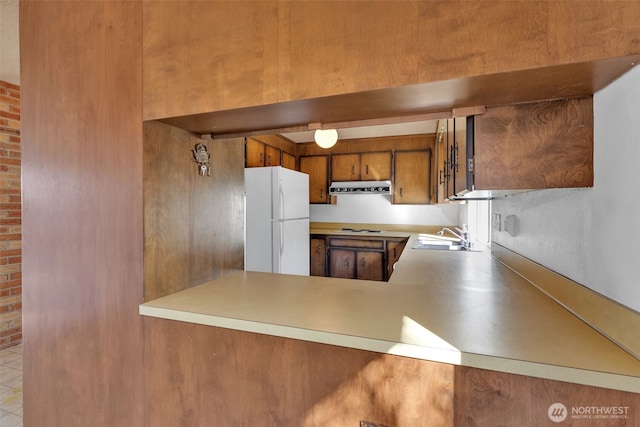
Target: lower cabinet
369,258
394,249
356,264
318,256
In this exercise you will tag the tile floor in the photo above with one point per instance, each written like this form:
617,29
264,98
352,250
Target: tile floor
11,387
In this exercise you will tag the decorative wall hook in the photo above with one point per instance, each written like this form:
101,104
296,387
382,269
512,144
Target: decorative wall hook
202,158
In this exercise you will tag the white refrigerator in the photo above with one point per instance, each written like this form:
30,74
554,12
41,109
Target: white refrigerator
277,220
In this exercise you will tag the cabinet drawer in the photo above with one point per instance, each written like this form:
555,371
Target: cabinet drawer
356,243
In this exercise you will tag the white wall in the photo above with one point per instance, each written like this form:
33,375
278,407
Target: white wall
377,209
590,235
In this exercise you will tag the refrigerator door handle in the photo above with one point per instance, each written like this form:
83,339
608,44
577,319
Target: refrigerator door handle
281,239
282,217
281,199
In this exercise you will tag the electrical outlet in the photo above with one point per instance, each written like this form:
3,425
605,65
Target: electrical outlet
496,222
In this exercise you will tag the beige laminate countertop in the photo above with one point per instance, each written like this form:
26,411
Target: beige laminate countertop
462,308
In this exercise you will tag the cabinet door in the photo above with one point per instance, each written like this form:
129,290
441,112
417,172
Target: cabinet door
345,167
288,160
460,155
412,170
394,250
318,256
442,163
272,156
317,167
370,265
254,153
375,166
342,263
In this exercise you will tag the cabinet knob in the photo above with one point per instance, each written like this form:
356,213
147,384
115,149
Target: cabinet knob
366,169
401,192
347,261
362,262
321,193
353,170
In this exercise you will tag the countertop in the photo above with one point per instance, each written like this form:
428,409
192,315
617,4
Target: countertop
455,307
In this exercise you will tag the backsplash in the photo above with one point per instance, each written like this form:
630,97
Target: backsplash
377,209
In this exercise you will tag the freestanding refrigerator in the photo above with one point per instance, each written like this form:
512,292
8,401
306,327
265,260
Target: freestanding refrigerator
277,220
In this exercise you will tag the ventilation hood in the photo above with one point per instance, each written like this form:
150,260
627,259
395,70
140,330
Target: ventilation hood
360,187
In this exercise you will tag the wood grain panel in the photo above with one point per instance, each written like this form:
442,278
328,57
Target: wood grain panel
208,55
538,145
199,376
193,224
343,47
584,30
489,398
463,38
82,201
591,406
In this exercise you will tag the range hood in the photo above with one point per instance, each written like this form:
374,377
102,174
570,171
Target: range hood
360,187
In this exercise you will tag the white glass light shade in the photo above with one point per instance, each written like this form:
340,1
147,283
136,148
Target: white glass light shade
326,138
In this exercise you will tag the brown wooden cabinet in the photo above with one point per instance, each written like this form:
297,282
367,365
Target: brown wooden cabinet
369,258
356,264
318,253
345,167
535,146
373,166
412,177
254,153
271,156
317,167
442,161
394,250
352,258
288,160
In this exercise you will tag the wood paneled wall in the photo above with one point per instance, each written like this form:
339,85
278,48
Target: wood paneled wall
205,376
199,375
82,212
226,55
193,224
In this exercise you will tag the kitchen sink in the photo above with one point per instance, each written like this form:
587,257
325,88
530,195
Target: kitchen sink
432,242
438,245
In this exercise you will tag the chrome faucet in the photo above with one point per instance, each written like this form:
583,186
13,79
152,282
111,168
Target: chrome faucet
462,234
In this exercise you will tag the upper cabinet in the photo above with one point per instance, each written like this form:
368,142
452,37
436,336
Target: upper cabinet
516,148
317,167
265,151
375,166
254,153
411,183
374,159
369,166
537,145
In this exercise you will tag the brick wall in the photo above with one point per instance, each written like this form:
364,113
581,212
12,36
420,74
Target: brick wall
10,217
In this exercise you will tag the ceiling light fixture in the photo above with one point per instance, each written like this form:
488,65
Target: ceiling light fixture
326,138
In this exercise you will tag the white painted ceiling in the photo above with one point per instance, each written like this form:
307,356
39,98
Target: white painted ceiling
9,42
